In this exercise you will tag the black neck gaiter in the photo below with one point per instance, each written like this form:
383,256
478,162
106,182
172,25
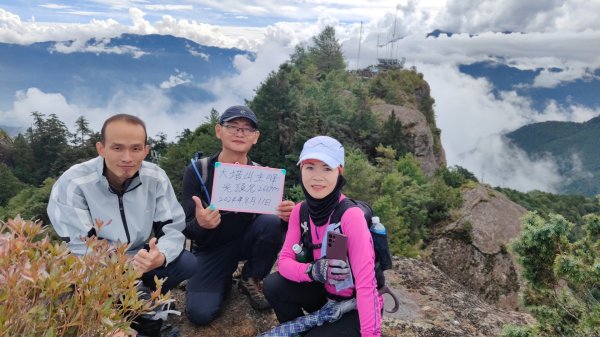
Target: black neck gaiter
320,209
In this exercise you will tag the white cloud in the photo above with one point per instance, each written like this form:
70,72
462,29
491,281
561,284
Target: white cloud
201,55
235,89
149,103
79,46
475,16
83,13
169,7
245,38
153,104
572,113
13,30
55,6
496,162
34,99
177,79
562,34
473,122
552,78
140,25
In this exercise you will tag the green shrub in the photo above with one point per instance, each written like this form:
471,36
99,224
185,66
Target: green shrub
512,331
561,270
46,291
456,176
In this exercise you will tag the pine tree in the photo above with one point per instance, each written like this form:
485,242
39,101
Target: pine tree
392,135
82,131
24,164
6,149
327,51
48,138
561,269
11,185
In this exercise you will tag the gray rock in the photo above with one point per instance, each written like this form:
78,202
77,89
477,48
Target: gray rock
420,139
473,251
432,305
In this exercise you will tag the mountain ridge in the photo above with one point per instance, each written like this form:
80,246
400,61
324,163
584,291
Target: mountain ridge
506,77
573,145
98,68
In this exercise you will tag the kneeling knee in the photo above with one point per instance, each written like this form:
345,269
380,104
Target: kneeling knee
271,284
201,315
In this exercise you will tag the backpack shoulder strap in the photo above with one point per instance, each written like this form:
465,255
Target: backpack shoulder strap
341,208
202,175
303,214
204,167
305,234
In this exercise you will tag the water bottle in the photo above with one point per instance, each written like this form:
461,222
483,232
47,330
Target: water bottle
301,253
377,227
380,243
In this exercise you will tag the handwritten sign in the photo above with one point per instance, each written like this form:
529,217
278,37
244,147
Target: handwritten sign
247,188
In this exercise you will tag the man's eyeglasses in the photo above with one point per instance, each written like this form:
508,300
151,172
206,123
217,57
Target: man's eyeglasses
232,129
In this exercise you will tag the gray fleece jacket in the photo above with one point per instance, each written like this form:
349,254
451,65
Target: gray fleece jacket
82,194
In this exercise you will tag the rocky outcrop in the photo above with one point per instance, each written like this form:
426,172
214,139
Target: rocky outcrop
418,135
472,250
432,305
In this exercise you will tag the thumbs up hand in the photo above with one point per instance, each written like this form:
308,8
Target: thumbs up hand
146,260
206,217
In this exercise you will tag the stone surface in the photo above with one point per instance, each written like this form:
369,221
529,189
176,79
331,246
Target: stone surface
473,251
417,133
432,305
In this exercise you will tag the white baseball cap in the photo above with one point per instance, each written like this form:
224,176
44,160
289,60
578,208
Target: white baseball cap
325,149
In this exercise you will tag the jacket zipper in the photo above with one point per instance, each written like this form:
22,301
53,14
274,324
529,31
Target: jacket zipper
122,211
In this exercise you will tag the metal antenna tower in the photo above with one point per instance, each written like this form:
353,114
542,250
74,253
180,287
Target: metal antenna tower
359,42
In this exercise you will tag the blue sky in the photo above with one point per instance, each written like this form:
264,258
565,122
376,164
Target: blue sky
546,34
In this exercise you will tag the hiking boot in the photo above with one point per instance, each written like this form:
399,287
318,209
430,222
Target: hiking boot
237,274
253,288
147,327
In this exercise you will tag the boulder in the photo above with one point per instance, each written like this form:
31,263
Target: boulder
418,135
433,305
473,251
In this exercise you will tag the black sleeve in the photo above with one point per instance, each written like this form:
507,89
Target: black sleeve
192,187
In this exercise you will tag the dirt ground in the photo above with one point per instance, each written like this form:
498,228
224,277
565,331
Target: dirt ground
238,319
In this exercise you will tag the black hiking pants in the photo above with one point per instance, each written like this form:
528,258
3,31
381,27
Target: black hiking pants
207,289
288,299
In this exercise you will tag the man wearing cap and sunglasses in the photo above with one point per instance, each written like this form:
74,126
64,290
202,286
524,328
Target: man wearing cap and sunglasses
222,239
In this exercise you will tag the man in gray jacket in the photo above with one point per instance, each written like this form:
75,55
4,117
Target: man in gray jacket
134,199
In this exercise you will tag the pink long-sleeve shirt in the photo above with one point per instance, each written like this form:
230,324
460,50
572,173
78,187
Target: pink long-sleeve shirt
362,264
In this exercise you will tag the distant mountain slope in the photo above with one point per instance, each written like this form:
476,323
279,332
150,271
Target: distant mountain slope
98,69
11,131
574,145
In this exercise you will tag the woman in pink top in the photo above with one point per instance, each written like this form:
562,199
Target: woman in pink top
300,287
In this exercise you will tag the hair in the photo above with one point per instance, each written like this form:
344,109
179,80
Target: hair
311,161
123,117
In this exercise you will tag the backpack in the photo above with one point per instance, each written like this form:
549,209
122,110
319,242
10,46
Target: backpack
204,175
383,258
